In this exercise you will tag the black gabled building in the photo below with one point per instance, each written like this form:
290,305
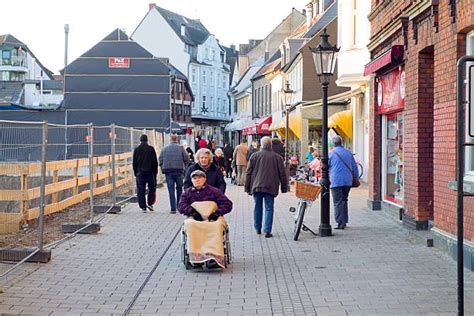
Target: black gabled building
118,81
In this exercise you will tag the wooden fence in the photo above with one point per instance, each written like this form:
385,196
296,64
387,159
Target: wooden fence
25,194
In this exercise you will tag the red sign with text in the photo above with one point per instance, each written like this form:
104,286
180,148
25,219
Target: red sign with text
119,62
391,91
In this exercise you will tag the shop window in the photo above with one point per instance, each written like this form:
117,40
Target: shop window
393,157
469,150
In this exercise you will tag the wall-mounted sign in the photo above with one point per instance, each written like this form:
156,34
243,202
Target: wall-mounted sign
391,91
119,62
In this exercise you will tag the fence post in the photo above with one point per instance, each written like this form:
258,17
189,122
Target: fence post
25,202
44,157
91,169
132,148
114,184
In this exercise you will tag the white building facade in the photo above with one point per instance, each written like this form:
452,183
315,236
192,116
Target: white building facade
192,49
353,38
26,81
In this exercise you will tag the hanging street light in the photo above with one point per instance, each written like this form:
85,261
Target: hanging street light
324,56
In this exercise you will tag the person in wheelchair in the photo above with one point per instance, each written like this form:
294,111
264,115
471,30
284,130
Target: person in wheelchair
204,228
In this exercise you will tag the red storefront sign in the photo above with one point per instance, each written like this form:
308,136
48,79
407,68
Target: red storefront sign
119,62
263,127
391,91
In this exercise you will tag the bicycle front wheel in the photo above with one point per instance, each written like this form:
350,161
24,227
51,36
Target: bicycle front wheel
299,220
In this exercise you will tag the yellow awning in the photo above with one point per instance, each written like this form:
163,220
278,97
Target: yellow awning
342,123
295,121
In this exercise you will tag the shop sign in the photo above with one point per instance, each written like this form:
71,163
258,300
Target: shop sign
119,62
391,91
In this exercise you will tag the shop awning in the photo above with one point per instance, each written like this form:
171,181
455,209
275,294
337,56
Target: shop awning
342,123
277,124
237,125
395,53
263,127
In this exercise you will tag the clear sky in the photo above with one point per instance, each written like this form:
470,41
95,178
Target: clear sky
40,23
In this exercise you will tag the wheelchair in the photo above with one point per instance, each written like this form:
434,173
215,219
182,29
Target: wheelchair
184,250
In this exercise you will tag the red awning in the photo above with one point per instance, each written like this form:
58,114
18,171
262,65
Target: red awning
263,127
395,53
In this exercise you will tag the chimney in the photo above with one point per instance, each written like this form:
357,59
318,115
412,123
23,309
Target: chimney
151,6
66,43
183,30
267,54
232,47
309,15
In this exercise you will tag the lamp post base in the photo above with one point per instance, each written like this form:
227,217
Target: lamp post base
325,230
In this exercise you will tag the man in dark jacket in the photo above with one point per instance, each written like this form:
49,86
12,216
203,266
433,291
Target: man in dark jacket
278,147
214,175
173,158
228,154
145,168
265,173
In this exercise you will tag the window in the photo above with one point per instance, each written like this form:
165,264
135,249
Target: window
218,78
214,55
6,56
222,57
211,78
4,76
204,77
212,103
219,107
203,100
224,82
193,75
206,51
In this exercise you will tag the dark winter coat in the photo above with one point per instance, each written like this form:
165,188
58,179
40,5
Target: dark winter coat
207,193
214,176
220,162
228,152
144,159
173,158
278,147
252,151
190,154
265,173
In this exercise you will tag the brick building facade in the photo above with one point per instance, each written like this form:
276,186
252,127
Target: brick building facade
414,48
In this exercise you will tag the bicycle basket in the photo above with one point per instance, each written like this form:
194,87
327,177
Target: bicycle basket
307,191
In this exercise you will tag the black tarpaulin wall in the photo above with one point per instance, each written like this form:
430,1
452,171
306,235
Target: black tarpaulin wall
137,96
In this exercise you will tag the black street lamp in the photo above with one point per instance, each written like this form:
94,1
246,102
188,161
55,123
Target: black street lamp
288,98
324,56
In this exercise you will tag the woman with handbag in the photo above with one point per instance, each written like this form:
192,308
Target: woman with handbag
343,174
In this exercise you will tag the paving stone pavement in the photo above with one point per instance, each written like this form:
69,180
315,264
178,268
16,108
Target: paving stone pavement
370,268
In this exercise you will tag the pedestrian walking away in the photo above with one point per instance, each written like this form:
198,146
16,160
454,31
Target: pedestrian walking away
240,157
214,176
145,168
342,169
173,159
265,174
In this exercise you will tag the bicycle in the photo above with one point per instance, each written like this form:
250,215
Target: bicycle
307,193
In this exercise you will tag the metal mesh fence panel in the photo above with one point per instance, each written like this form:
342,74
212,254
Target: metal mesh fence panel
21,151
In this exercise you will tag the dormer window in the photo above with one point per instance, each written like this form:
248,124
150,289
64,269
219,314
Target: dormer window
183,30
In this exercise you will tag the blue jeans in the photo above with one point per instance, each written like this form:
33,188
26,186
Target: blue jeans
340,196
144,179
259,197
172,179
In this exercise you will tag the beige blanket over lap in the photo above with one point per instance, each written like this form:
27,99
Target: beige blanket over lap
205,239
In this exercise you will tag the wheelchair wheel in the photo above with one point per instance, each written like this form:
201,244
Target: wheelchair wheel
299,220
184,251
228,247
